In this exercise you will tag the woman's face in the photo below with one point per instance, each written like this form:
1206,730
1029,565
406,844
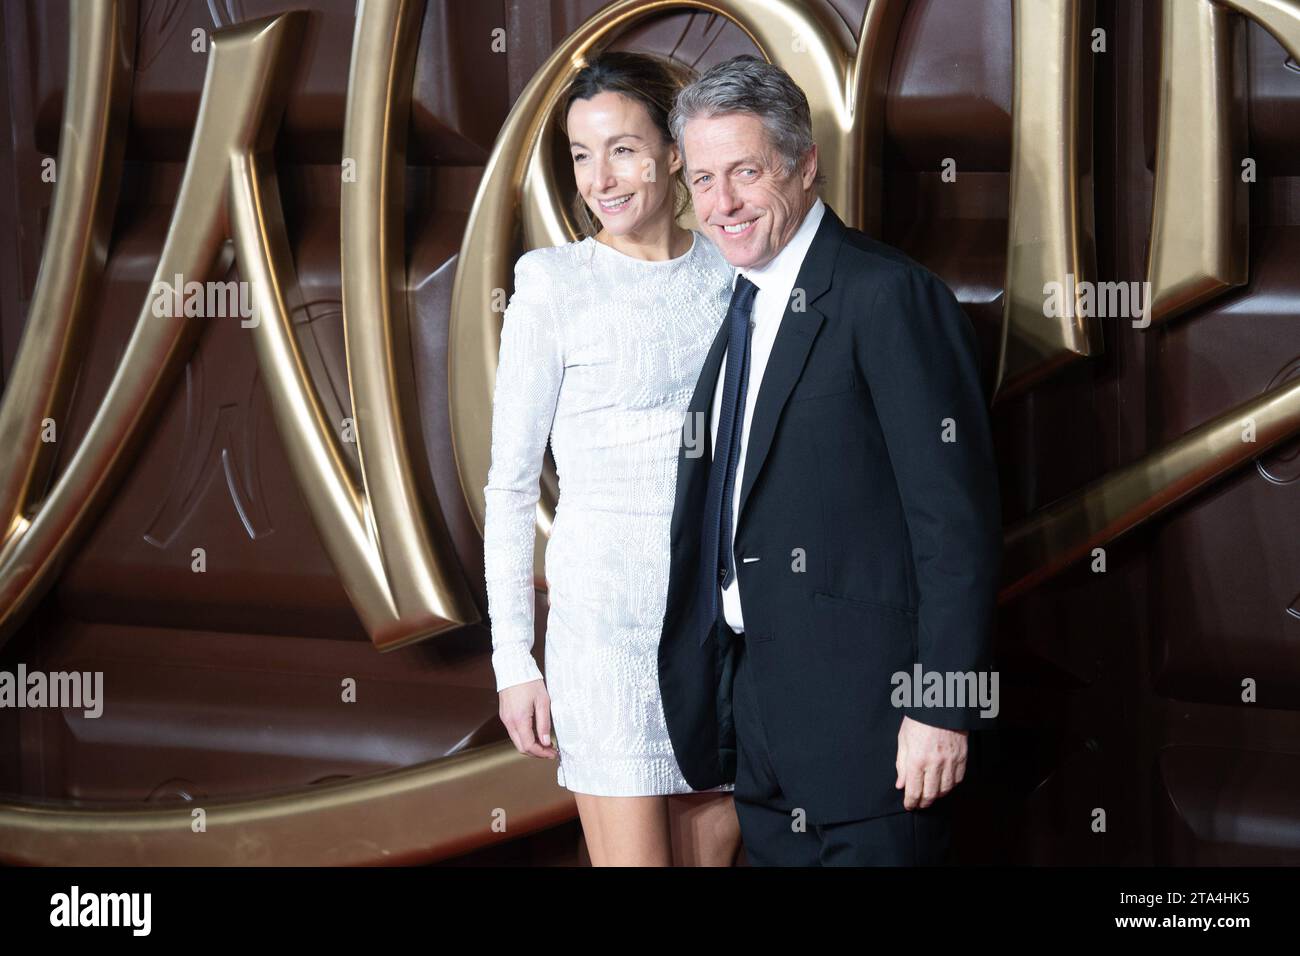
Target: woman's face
624,169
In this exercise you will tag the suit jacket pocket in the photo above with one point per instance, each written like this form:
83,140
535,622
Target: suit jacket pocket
822,386
867,607
877,638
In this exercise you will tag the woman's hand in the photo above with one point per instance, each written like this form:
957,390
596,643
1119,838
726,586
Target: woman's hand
524,707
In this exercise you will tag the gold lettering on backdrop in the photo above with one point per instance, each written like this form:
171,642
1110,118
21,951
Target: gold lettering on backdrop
417,588
1198,250
1050,234
845,88
387,553
413,814
229,189
36,542
1055,537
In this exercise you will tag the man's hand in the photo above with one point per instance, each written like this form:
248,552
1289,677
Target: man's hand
931,761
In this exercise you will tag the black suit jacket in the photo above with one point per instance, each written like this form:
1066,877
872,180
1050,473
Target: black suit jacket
877,541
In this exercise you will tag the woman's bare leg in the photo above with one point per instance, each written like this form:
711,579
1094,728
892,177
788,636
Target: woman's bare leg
626,831
705,830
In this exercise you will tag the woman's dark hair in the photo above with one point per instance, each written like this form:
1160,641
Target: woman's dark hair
653,81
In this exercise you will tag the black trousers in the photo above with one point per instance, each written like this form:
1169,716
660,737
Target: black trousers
775,835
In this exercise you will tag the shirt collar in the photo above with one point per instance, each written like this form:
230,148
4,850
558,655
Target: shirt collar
783,269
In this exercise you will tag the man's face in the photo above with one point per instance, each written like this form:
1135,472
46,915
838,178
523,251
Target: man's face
744,199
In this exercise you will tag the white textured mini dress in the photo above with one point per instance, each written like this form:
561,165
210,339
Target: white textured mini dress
601,352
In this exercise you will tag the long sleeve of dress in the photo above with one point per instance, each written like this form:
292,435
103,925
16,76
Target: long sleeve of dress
530,368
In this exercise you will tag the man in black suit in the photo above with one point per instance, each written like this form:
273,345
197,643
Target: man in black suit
842,525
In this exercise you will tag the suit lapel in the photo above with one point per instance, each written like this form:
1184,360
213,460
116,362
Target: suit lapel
699,419
790,348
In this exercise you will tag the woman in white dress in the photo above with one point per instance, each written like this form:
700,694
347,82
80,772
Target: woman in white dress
601,346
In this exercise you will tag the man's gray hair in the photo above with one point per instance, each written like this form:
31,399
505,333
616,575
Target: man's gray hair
746,84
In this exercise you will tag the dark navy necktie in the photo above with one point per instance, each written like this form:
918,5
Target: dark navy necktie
717,559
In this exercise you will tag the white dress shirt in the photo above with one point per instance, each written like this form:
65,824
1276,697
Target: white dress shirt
775,283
